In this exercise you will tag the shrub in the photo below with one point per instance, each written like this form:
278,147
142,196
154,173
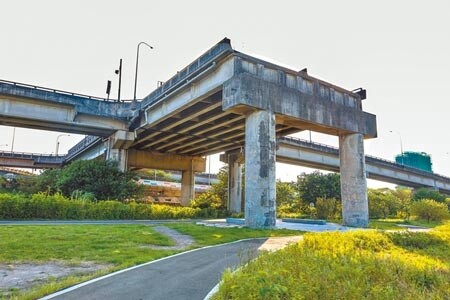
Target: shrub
352,265
208,199
424,193
430,210
101,178
43,206
328,208
383,203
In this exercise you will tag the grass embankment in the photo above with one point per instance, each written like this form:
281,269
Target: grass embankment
117,246
392,224
352,265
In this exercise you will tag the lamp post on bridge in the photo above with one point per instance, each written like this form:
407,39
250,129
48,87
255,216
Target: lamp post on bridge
137,64
57,142
13,138
401,143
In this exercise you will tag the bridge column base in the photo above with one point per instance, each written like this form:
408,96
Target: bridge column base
119,155
234,182
260,153
187,187
355,210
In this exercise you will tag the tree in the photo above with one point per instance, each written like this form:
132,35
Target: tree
288,199
286,193
430,210
46,182
382,203
101,178
405,197
318,185
424,193
217,196
328,208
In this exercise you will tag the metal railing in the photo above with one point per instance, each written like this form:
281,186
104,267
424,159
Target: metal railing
47,158
82,145
45,89
369,158
192,69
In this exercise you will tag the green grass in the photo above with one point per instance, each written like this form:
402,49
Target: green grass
115,246
391,224
108,244
205,236
386,224
352,265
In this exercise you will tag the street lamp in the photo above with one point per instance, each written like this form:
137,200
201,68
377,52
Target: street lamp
4,145
137,64
14,136
57,142
119,72
401,143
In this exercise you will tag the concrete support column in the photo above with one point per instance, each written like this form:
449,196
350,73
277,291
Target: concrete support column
187,187
234,182
121,156
260,154
118,145
355,208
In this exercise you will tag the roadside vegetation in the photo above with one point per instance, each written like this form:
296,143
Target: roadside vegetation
352,265
112,246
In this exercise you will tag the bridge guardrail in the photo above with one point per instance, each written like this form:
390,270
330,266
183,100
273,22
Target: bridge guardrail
334,150
81,145
201,62
45,89
44,158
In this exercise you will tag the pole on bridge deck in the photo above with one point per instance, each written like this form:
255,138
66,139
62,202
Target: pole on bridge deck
137,64
119,72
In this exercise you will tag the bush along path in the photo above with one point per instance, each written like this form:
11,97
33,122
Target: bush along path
350,265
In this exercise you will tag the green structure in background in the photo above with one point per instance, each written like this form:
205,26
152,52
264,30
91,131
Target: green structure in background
419,160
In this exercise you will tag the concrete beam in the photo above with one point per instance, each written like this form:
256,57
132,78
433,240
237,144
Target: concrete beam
162,161
260,191
193,93
307,103
47,115
122,139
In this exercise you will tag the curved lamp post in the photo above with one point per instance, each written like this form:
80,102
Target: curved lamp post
401,143
137,64
57,142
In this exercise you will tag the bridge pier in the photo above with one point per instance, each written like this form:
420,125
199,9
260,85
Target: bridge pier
187,187
234,182
355,210
260,153
188,165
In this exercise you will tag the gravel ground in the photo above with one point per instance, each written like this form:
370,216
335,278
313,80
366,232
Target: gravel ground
24,275
181,241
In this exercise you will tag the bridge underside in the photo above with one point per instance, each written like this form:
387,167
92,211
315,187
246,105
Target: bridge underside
201,129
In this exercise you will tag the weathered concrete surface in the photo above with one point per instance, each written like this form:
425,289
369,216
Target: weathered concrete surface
309,106
355,209
122,139
260,192
53,111
164,161
187,187
235,161
119,155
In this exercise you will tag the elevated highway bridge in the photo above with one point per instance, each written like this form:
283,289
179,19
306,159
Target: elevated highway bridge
224,101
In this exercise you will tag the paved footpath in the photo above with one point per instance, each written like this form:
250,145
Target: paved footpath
190,275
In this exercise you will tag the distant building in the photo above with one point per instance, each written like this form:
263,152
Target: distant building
418,160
